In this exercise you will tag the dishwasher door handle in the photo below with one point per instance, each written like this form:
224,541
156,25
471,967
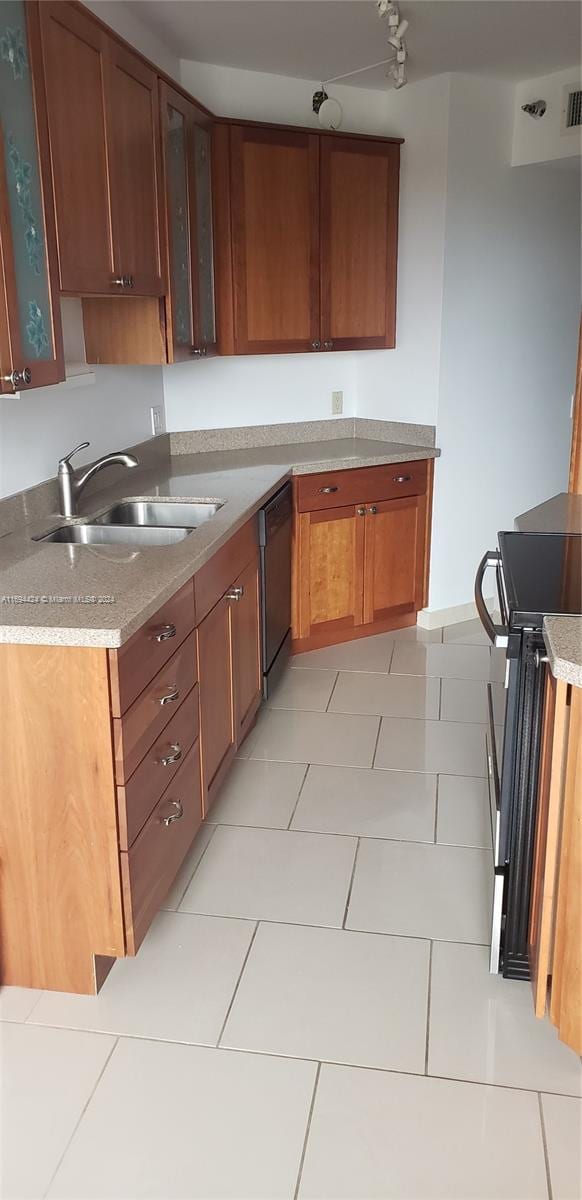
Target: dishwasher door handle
498,634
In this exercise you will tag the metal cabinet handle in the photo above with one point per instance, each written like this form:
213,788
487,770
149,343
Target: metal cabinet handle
373,510
175,816
236,593
540,658
165,633
198,351
401,478
174,757
328,345
124,281
119,281
170,696
361,512
16,377
326,491
316,345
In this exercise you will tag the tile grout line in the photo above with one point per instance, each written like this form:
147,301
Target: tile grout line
440,697
354,1066
81,1115
307,1132
237,985
295,806
37,1002
349,895
428,999
436,811
213,829
331,833
545,1145
335,683
380,719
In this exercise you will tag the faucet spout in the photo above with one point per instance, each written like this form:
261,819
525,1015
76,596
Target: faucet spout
71,484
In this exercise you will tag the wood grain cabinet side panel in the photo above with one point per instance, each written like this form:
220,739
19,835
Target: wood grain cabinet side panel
566,998
359,215
150,867
60,889
74,50
275,234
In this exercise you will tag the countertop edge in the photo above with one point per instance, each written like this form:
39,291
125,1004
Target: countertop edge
563,640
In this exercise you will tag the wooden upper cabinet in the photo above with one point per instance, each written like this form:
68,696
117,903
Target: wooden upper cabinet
31,353
135,173
275,239
104,141
186,148
74,50
359,222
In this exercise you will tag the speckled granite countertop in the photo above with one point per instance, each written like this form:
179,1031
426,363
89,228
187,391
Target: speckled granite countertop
65,594
563,638
561,514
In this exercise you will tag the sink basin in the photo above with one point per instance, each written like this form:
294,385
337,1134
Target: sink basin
121,535
159,513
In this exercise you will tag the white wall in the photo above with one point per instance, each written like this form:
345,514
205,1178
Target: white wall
537,141
399,384
42,425
510,319
129,26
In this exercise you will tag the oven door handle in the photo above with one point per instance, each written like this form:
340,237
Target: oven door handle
498,634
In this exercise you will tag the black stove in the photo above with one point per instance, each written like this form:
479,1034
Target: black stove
537,575
542,576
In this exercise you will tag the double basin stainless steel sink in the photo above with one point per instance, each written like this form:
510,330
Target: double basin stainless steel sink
138,523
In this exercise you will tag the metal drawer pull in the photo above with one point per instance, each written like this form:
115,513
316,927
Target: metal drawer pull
316,345
198,351
175,816
401,478
16,377
170,696
361,512
235,593
174,757
373,510
328,345
165,633
327,491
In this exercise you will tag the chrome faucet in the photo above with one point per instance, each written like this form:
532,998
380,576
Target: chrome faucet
71,484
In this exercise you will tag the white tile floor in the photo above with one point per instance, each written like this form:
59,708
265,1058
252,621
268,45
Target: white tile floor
311,1015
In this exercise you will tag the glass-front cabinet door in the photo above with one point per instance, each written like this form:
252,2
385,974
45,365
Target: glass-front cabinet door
191,323
30,330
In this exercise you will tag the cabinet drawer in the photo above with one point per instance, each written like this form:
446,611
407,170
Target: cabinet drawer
334,489
134,732
157,769
220,572
132,667
150,867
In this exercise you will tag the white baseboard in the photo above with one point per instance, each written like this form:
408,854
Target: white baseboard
433,618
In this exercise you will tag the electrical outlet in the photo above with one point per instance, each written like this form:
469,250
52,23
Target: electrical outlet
337,403
157,419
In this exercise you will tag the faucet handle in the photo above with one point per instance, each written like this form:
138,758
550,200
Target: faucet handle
67,457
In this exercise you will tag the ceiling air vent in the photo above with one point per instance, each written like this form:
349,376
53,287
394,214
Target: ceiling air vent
572,109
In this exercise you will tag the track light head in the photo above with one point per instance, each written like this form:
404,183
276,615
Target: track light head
536,109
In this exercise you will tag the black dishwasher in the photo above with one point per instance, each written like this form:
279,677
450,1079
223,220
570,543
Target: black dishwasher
275,521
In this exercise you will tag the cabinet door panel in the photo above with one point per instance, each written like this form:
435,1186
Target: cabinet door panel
359,213
329,565
217,724
275,225
30,328
246,641
134,154
74,55
394,558
201,161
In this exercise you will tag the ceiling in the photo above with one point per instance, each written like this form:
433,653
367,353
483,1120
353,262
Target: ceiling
318,39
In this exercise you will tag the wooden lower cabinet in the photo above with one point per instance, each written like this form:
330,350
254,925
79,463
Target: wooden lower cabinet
555,932
359,569
229,666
